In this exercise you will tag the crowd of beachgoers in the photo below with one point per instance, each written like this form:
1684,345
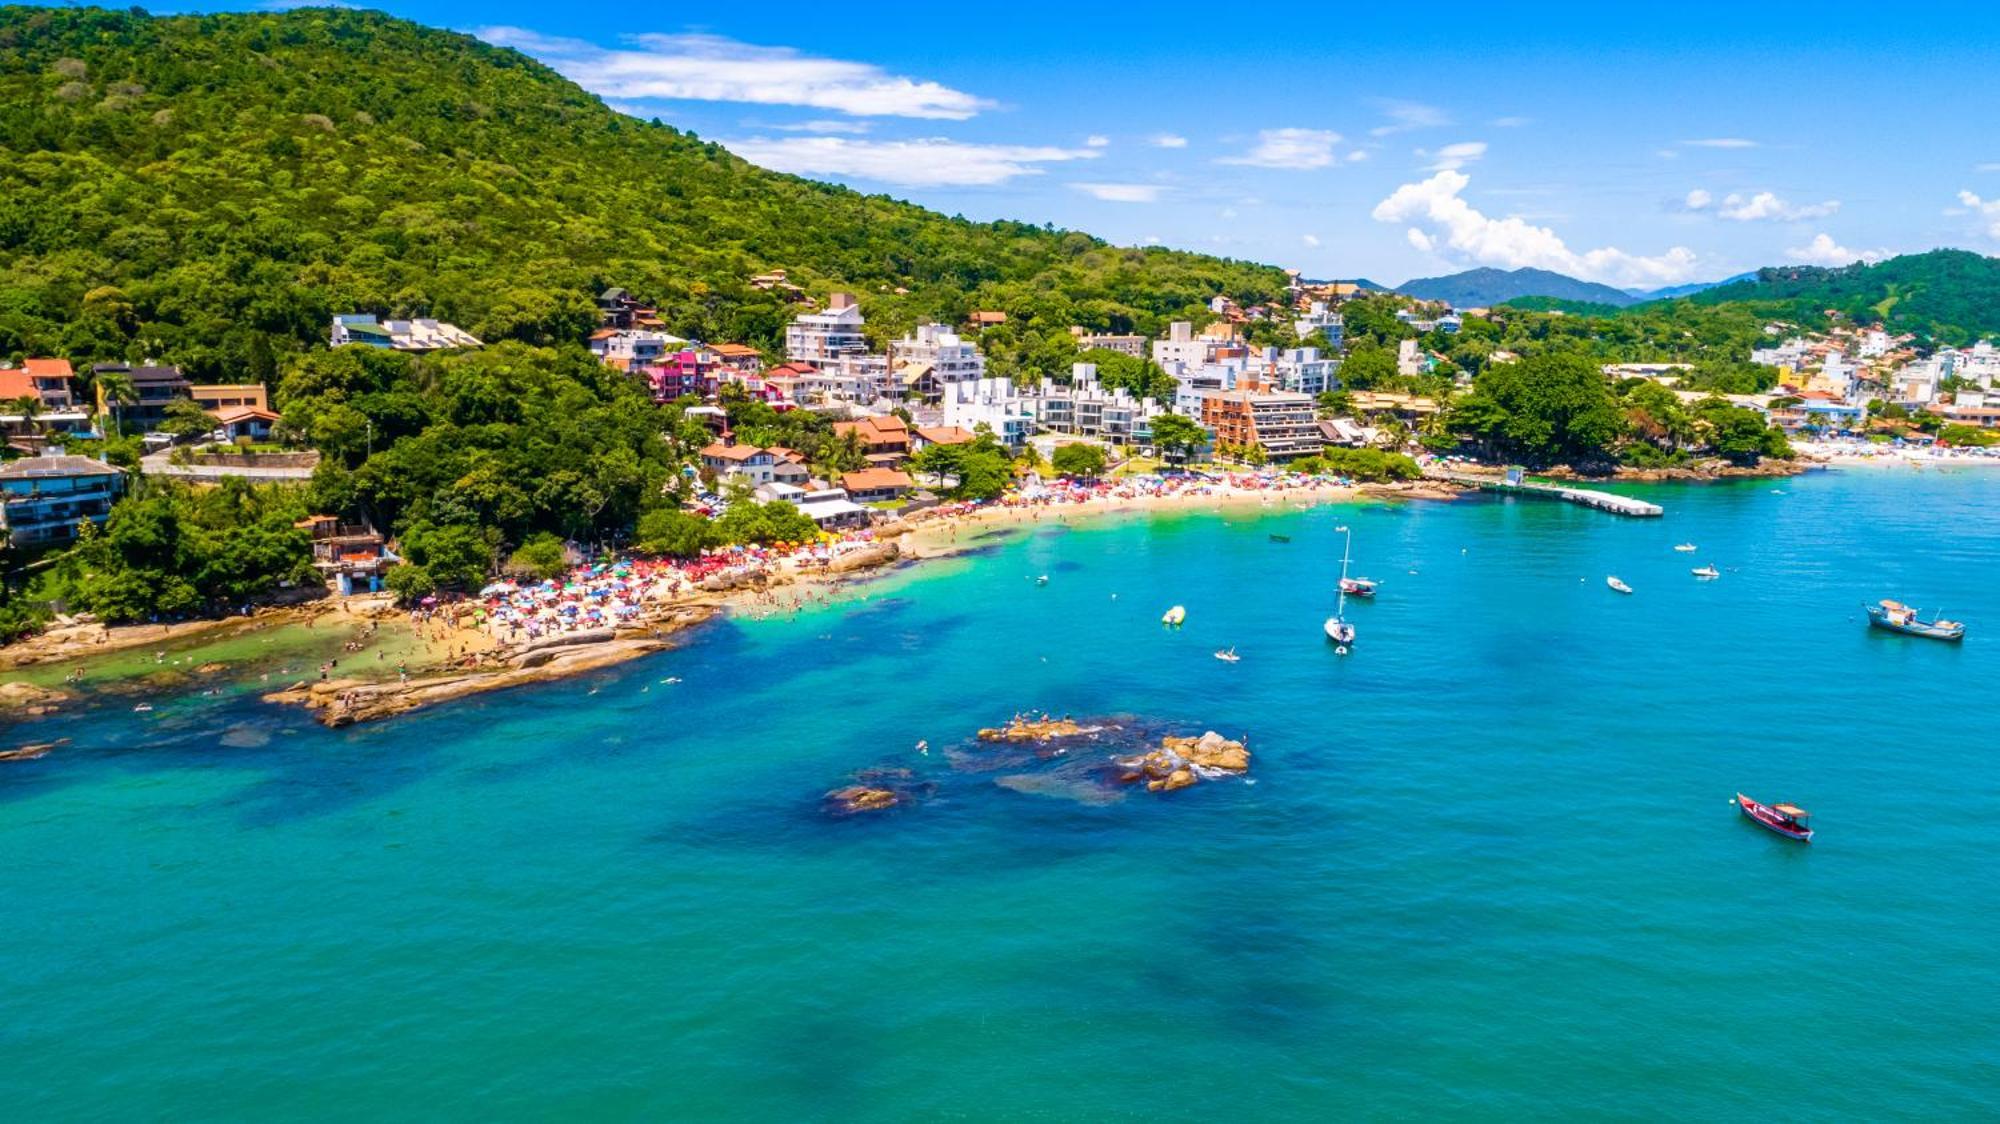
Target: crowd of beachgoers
1844,450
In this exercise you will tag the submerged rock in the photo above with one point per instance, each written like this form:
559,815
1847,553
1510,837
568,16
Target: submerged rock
32,750
860,798
30,698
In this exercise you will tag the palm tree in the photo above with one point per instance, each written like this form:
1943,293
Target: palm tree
115,387
29,406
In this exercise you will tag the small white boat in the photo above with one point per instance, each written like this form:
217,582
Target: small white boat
1685,548
1339,631
1228,655
1620,586
1043,580
1706,572
1174,616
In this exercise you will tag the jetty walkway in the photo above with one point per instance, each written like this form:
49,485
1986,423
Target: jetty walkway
1602,501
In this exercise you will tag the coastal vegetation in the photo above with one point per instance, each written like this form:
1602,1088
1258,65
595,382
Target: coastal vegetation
173,550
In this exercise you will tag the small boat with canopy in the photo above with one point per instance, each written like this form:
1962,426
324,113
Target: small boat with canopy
1788,820
1894,616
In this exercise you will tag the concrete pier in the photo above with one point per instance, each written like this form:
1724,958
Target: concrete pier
1602,501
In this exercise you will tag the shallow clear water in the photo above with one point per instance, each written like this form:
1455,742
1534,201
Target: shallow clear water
1488,867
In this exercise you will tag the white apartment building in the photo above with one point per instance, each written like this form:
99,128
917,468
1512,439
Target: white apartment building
817,337
1085,408
936,357
1790,355
994,403
1320,318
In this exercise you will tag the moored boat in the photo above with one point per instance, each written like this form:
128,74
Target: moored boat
1788,820
1228,655
1175,615
1281,538
1706,572
1894,616
1618,585
1358,587
1685,548
1336,626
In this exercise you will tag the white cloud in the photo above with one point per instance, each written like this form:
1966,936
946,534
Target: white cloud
712,68
1097,140
1151,240
1357,156
935,162
1169,140
1823,250
1988,211
1226,213
1121,192
852,128
1296,149
1511,122
1309,239
1423,242
1513,242
1721,142
1762,205
1986,167
1453,156
1407,116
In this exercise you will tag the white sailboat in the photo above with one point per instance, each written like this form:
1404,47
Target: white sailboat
1338,629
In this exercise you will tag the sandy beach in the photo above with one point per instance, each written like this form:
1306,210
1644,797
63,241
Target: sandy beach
391,660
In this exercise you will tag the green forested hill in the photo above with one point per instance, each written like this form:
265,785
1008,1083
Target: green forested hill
211,189
1952,294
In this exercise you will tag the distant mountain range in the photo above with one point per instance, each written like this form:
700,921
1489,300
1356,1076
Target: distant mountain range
1485,287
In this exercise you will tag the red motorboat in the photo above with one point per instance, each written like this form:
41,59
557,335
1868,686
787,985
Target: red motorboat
1788,820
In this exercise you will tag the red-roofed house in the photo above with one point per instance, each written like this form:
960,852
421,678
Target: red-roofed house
47,379
748,461
884,436
874,485
245,421
924,436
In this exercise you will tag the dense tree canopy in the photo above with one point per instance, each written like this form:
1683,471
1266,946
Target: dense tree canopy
210,190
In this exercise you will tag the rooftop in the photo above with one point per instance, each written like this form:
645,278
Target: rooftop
55,465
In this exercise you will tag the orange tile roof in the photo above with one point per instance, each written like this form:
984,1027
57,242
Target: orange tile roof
946,434
48,368
874,479
729,452
17,384
734,350
233,414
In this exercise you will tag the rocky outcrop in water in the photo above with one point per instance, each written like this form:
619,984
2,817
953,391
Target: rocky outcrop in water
26,699
1183,762
1035,730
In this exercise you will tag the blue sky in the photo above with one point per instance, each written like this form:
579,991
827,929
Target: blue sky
1385,141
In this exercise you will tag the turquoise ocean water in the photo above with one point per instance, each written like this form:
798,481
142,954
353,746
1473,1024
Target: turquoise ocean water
1488,868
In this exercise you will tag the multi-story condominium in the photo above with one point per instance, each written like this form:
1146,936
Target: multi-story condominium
933,358
817,337
1320,318
1085,408
43,498
995,403
1279,422
399,335
1087,340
